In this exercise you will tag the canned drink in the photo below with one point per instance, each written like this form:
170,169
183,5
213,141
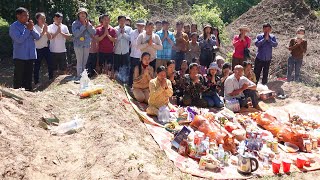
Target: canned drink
314,143
308,147
269,143
274,146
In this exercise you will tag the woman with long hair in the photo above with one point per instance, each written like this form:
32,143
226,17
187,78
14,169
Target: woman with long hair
142,75
208,45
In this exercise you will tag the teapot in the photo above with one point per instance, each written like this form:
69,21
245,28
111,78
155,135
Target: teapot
246,164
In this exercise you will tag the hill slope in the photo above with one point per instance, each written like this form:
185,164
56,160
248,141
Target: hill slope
285,16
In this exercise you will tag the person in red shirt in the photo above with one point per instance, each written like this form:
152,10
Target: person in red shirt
240,43
106,43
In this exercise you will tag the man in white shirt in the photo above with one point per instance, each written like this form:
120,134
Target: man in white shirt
150,42
135,54
239,87
59,33
122,45
42,48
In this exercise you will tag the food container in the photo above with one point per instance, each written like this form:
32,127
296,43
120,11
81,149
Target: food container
291,148
314,143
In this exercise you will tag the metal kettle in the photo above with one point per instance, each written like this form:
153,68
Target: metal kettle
247,164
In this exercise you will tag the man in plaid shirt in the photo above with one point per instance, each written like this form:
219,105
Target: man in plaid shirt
168,41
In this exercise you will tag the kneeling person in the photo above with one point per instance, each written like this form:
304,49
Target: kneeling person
160,92
142,75
239,87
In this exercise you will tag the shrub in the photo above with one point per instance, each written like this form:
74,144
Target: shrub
5,43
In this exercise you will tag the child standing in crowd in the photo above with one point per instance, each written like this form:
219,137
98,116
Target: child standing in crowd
82,30
240,43
265,42
122,46
59,34
42,47
158,26
194,28
194,48
23,35
212,87
93,54
150,42
186,29
182,44
207,42
248,71
106,35
298,47
135,51
168,41
143,73
216,33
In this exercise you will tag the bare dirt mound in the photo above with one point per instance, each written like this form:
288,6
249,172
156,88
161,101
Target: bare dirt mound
113,144
285,16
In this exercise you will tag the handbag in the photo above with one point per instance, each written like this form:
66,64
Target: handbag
247,52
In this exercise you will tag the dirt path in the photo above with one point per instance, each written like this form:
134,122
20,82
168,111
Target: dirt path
114,144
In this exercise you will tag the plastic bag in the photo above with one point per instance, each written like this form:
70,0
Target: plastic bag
164,114
84,81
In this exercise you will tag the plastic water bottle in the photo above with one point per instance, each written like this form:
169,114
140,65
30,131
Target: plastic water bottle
68,127
84,80
220,152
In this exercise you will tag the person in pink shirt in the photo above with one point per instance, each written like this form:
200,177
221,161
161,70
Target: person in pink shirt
240,43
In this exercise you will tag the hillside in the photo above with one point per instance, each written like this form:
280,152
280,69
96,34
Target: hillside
285,16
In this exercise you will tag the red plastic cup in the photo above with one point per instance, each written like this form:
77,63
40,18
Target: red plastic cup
300,162
276,166
286,163
307,163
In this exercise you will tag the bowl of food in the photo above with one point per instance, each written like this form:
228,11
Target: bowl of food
291,148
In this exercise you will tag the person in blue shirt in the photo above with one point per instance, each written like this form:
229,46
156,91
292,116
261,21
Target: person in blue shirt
208,45
83,32
168,41
23,35
265,42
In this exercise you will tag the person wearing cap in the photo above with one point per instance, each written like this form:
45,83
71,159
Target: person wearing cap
182,44
128,21
194,48
83,31
248,71
42,46
237,86
160,92
143,73
298,48
240,43
212,84
23,35
107,36
122,45
59,34
220,62
207,43
158,26
168,41
194,87
265,42
150,42
135,51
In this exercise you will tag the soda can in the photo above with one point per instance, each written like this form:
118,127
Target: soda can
308,146
314,143
274,146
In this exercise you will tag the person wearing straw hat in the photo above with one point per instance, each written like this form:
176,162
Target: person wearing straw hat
240,43
207,42
135,51
212,87
82,31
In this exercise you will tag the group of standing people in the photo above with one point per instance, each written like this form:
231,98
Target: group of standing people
162,63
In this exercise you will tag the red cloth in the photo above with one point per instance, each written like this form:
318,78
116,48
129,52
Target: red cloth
105,45
239,46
